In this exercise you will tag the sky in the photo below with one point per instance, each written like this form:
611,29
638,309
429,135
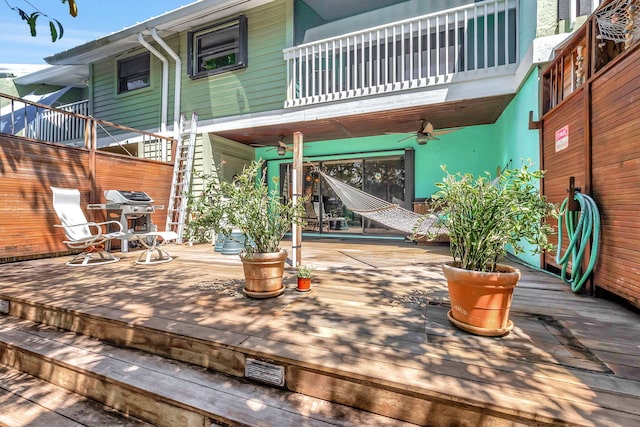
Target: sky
96,18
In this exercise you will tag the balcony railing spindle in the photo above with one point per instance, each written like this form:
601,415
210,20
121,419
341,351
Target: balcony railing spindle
422,51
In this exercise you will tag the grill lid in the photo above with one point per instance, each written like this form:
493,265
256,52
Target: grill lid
127,197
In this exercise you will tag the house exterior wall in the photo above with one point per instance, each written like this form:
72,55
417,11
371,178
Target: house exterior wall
472,149
313,27
547,17
139,108
259,87
517,141
8,86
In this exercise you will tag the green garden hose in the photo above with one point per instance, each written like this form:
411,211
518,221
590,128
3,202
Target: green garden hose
582,226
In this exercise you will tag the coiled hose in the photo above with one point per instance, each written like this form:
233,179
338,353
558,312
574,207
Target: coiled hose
582,226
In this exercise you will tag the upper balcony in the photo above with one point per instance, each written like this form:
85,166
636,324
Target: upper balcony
457,44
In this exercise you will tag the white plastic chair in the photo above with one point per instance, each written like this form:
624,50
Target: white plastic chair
81,234
153,243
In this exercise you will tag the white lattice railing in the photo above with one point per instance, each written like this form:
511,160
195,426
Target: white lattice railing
425,50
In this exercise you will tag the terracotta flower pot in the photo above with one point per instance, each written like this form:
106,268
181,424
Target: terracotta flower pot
304,284
480,301
263,274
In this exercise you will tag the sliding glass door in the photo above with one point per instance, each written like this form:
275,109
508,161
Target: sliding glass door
382,177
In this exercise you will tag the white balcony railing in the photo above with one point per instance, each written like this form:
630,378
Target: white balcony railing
71,125
55,126
418,52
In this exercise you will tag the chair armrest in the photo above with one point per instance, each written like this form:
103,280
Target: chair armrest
97,225
120,229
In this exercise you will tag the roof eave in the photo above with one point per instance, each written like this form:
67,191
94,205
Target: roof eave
174,21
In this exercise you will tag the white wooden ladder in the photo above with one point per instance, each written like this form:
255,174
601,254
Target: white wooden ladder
181,181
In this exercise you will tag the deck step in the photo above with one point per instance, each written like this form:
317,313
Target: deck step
226,352
161,391
315,372
29,401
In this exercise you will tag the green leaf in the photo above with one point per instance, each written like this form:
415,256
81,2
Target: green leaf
54,32
23,15
32,21
60,29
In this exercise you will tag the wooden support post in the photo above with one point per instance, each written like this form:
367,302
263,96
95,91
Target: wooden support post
296,178
92,143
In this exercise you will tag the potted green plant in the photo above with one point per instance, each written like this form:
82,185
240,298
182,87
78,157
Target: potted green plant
207,215
248,205
484,218
304,277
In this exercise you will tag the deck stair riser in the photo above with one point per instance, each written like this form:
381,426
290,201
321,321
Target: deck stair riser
227,355
208,354
140,403
160,391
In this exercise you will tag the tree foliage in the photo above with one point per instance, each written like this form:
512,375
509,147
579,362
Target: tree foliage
31,18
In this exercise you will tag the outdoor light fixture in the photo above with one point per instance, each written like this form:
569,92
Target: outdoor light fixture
422,139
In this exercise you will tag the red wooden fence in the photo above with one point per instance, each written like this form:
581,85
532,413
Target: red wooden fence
27,170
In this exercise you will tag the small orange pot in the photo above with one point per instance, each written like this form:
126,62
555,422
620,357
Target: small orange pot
304,284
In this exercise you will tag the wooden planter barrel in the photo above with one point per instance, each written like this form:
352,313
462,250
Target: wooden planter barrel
263,274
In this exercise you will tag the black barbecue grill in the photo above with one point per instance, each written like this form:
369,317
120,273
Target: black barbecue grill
128,198
132,209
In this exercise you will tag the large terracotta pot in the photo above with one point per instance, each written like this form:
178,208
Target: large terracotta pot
480,301
263,274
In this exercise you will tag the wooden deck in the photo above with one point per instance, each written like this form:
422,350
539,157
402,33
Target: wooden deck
372,333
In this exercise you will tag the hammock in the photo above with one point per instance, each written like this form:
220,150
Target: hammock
386,213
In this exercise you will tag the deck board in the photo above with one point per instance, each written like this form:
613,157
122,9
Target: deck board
378,312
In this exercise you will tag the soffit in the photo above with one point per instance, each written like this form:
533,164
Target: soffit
469,112
331,10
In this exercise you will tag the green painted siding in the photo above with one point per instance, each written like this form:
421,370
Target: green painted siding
139,108
8,86
527,22
259,87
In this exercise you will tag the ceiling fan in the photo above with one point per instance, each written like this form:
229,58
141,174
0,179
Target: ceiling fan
282,147
427,133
